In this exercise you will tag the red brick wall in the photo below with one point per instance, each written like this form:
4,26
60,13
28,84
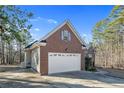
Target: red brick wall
55,44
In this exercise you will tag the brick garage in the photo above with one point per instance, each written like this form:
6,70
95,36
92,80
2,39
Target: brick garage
61,50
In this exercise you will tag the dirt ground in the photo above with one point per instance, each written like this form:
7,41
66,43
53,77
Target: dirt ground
16,77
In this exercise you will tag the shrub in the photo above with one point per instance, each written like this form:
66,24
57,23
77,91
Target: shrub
89,64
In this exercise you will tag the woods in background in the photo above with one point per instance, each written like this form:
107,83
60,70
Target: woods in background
108,40
14,34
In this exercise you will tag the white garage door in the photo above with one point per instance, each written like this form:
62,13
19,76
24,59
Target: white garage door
63,62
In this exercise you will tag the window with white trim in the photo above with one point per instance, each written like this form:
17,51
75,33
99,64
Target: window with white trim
66,35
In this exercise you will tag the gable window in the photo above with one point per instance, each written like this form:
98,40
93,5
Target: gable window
65,35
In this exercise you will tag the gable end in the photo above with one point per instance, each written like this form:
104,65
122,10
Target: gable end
61,25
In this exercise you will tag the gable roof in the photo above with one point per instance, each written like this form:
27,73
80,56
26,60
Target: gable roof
55,30
61,25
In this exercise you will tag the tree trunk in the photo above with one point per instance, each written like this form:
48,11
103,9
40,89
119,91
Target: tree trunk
3,54
20,52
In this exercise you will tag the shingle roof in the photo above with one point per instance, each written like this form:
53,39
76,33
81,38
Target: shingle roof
29,46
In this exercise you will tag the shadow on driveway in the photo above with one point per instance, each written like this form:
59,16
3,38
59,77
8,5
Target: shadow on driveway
20,83
90,76
16,77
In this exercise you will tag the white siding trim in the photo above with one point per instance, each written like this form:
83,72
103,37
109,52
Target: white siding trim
38,44
62,35
70,36
39,59
35,59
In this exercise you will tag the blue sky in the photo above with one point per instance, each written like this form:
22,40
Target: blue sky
82,17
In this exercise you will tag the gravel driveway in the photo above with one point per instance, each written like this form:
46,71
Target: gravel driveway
16,77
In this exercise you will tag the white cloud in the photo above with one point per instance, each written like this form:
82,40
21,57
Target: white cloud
48,20
36,19
36,29
87,37
32,20
84,35
33,35
52,21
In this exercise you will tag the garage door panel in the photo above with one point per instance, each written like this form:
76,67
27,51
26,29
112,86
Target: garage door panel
63,62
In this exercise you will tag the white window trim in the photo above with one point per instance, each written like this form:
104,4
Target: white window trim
66,34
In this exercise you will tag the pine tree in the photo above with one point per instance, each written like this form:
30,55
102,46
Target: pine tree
14,30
